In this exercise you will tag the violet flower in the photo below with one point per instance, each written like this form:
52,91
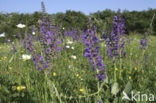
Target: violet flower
14,50
49,46
113,40
92,53
143,43
39,61
72,34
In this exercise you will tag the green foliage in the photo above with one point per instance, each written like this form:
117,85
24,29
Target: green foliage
75,74
71,19
138,21
135,21
72,80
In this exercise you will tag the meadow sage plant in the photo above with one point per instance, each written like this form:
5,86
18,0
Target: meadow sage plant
72,34
49,46
114,41
39,60
92,52
143,42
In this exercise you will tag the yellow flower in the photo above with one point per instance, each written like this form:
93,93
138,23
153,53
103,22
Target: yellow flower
130,77
135,68
19,88
10,68
5,57
77,75
81,90
116,69
54,74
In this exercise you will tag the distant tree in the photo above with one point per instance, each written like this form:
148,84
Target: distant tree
135,21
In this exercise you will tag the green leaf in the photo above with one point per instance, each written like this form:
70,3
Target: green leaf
11,59
115,100
128,88
115,88
106,80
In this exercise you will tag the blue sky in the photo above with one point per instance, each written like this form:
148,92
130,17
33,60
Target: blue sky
86,6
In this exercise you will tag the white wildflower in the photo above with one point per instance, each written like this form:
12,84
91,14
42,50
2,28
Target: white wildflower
69,42
73,56
67,46
2,35
70,66
26,57
20,25
72,48
101,39
33,33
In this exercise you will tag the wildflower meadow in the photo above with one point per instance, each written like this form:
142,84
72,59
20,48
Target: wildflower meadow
47,63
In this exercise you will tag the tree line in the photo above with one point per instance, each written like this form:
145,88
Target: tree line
135,21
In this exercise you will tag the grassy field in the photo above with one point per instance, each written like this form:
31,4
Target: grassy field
72,80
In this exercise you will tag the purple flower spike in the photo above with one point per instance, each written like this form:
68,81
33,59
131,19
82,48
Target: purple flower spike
92,53
48,50
143,43
113,40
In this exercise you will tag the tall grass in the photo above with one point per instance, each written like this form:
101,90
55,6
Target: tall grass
72,80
